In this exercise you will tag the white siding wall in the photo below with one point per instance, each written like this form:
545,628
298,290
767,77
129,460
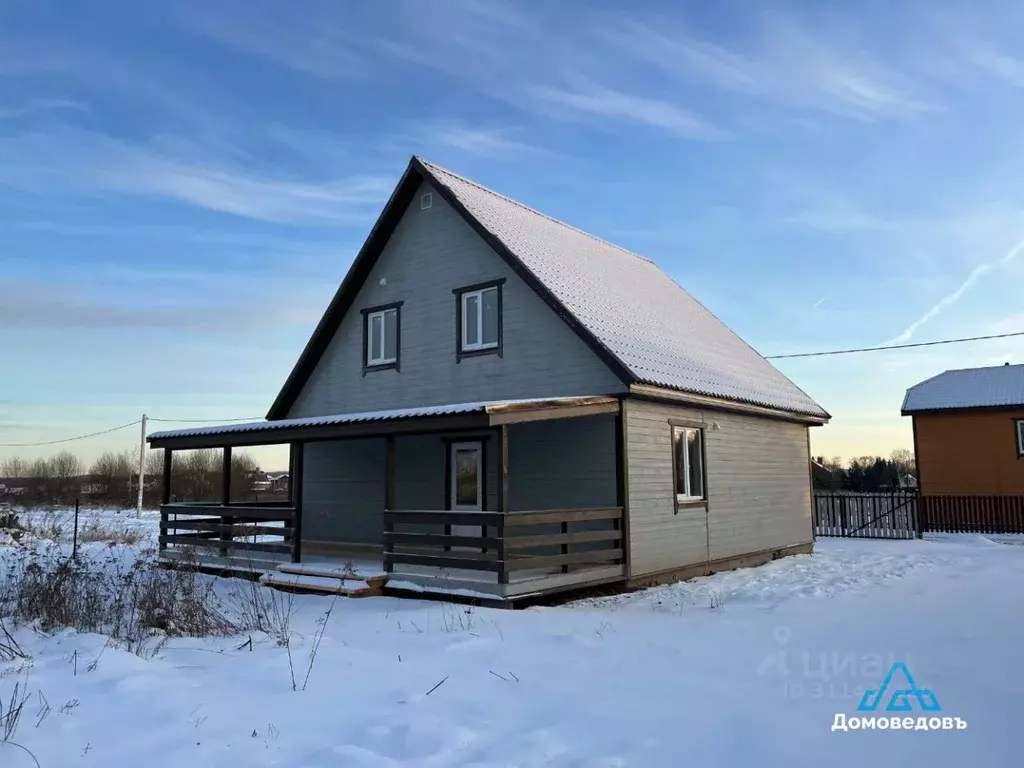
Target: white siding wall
759,494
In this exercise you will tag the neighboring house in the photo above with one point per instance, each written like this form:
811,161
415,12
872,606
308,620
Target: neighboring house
907,481
969,431
278,481
497,401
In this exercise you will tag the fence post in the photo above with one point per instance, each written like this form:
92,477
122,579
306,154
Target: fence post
74,539
919,515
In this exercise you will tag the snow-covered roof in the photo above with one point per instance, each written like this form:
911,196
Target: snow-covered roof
1001,385
659,332
367,416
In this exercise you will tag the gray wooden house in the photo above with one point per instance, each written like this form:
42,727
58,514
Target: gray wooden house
500,403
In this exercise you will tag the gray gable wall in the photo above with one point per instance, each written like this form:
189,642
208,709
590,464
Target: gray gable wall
430,253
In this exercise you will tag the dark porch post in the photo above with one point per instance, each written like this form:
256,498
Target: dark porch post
622,483
225,497
295,483
165,497
389,499
502,499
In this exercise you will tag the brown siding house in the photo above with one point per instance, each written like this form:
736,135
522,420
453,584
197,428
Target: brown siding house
969,431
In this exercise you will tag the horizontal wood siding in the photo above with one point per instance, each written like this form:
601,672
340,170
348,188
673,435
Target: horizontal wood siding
562,464
969,452
344,492
659,539
343,497
758,483
759,494
431,253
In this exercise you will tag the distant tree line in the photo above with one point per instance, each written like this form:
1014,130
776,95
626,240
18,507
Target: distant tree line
113,478
865,474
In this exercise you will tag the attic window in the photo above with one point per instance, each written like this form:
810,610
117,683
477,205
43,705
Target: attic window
426,200
478,319
382,337
1020,437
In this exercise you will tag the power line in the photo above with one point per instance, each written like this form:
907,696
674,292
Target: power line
895,346
207,421
70,439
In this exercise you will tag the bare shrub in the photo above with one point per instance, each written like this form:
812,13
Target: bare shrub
96,531
131,602
9,648
261,609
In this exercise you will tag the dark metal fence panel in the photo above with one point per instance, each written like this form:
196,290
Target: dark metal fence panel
890,515
973,514
905,514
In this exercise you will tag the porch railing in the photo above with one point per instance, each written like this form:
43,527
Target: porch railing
233,530
550,541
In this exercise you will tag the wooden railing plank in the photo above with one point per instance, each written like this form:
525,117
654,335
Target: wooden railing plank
236,511
440,540
204,543
481,563
600,556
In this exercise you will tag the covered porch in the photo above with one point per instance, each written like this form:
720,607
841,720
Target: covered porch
502,500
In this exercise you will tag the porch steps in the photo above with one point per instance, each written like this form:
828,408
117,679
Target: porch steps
325,579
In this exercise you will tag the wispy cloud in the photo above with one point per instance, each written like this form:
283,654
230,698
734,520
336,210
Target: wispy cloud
489,142
86,162
41,105
29,304
950,299
312,41
598,100
785,64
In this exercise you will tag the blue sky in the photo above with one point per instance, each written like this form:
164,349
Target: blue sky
183,185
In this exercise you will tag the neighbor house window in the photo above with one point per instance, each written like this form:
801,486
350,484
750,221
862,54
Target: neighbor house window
382,335
1020,437
478,318
688,470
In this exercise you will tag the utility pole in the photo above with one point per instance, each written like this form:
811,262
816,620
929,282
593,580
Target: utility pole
142,467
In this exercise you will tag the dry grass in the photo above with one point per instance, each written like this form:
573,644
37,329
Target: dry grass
135,604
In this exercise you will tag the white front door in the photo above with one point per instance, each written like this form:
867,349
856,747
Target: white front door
467,483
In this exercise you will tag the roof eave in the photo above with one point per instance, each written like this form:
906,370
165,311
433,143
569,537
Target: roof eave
738,406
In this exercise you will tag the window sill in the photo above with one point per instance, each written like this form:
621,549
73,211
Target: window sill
495,350
690,503
380,367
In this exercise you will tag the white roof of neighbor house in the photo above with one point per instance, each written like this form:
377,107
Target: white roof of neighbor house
365,416
660,333
1001,385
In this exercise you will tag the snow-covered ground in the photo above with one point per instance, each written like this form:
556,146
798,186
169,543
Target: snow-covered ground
738,669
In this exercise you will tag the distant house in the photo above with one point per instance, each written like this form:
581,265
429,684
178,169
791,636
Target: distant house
969,431
498,402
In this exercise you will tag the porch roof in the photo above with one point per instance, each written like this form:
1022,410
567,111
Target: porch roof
428,418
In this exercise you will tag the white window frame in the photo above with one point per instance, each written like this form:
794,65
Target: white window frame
1020,437
372,361
681,435
465,346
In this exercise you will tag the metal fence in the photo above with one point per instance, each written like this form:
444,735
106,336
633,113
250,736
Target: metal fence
866,515
907,514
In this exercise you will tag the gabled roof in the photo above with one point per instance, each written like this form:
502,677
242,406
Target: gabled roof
1000,386
638,320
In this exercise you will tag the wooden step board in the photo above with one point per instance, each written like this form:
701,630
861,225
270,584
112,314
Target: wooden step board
325,579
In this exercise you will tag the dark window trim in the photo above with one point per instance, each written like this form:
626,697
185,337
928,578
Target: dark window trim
497,350
1017,423
673,425
366,312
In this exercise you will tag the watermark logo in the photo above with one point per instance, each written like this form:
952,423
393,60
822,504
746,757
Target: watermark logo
900,700
899,693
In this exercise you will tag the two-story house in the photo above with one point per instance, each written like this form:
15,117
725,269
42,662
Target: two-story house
496,401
